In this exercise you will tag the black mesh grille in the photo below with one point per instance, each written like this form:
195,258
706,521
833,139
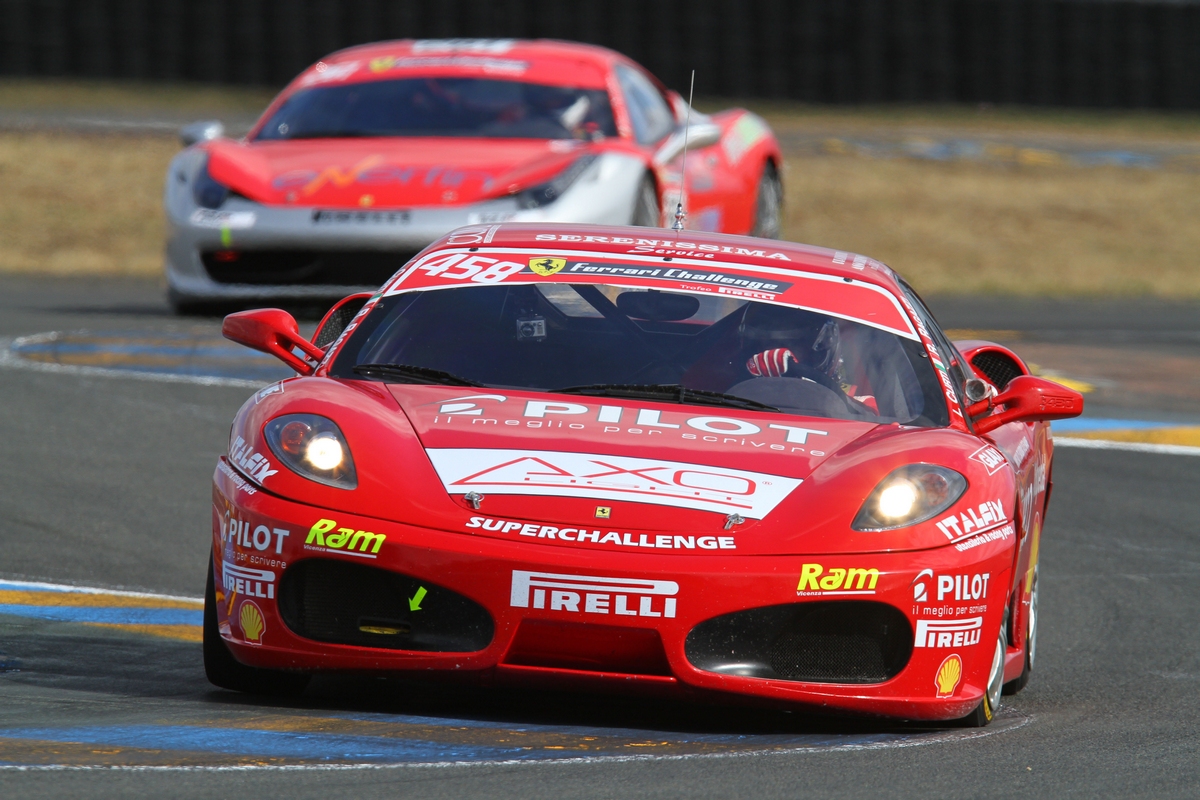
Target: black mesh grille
338,321
846,641
1000,368
332,601
319,267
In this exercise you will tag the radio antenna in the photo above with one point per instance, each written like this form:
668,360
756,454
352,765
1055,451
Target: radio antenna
680,214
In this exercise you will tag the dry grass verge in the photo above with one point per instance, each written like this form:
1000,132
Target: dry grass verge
82,204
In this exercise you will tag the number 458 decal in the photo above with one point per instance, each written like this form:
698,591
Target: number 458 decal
461,267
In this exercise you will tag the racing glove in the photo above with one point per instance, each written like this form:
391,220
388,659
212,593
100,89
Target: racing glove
771,363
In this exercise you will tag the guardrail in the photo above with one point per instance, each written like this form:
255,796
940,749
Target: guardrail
1103,53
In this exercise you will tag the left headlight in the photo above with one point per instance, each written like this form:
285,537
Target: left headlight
312,446
546,193
909,495
207,191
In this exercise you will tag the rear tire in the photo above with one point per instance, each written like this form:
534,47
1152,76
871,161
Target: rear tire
646,213
768,205
227,672
987,708
1017,684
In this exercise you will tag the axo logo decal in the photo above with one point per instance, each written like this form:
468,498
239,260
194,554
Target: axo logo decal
586,594
638,480
815,581
948,633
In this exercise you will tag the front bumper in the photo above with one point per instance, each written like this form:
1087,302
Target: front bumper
572,617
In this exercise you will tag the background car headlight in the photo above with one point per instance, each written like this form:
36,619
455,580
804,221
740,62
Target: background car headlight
312,446
546,193
909,495
206,191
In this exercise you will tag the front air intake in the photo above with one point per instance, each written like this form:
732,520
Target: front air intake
340,603
843,641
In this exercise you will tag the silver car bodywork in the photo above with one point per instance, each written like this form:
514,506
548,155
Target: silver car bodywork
606,192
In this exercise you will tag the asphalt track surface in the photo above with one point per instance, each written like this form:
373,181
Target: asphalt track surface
106,485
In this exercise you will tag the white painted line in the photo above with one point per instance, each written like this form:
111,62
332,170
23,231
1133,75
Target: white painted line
37,586
942,737
13,361
1136,447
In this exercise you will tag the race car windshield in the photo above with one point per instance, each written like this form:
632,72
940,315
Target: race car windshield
478,107
603,340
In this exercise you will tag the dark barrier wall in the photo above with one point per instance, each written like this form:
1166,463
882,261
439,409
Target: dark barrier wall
1039,52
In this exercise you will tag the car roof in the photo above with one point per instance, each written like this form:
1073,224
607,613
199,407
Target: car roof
544,61
712,248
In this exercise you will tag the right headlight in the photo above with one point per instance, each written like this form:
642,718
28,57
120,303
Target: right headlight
909,495
546,193
312,446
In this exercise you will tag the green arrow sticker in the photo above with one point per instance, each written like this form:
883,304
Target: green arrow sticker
414,602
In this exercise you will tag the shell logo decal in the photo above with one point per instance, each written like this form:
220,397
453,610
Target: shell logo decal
948,676
251,620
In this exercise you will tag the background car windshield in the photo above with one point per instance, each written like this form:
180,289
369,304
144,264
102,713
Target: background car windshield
550,336
442,107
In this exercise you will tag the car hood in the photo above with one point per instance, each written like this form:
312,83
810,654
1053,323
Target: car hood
562,457
386,172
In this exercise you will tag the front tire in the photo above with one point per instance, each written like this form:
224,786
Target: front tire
227,672
768,205
1017,684
987,708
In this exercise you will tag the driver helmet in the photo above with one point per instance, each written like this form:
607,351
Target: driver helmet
774,337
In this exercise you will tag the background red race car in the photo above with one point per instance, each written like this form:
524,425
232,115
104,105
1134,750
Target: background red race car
616,457
383,148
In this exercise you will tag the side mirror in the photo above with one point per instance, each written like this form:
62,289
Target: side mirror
200,132
1026,399
337,318
273,331
699,134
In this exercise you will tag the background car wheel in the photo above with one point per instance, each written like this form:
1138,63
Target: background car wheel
646,213
226,671
984,712
768,208
1017,684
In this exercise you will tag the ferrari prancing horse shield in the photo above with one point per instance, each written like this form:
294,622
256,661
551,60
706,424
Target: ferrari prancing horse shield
547,266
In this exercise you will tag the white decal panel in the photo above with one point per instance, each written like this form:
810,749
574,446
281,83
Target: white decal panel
605,477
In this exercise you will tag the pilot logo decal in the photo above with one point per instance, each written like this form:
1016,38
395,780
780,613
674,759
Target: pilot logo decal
585,594
814,580
250,618
948,633
547,266
949,675
605,477
920,588
362,544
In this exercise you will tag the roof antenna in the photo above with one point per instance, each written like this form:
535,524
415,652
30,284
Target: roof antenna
680,214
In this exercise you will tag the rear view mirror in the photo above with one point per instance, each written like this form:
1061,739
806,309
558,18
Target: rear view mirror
201,132
1026,399
273,331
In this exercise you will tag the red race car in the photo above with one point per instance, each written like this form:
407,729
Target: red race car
381,149
593,456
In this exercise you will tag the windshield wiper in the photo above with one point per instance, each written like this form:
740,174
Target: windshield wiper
406,373
669,392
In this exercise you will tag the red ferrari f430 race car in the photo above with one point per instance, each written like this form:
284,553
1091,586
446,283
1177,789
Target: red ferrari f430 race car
682,462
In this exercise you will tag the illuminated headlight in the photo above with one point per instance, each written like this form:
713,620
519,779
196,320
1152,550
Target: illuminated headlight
312,446
910,495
